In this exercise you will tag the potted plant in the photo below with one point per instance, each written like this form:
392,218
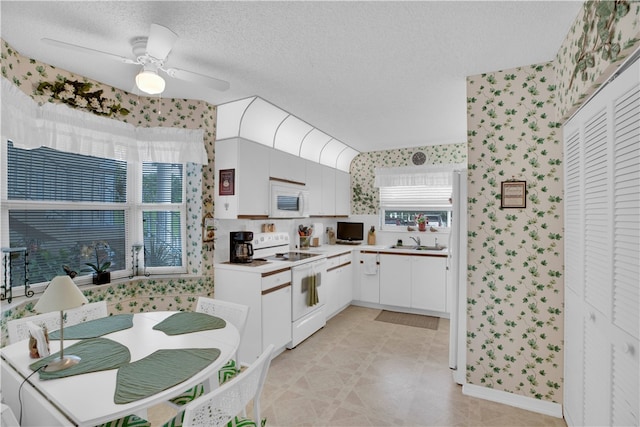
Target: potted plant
422,222
101,274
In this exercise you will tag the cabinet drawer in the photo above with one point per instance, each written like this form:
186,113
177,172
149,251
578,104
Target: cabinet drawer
277,278
345,259
333,261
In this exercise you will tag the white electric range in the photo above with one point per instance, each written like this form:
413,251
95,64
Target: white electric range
271,253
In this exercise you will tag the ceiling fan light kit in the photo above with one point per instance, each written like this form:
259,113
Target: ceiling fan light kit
149,81
151,52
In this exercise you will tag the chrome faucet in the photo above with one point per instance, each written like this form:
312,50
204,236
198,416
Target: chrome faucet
416,239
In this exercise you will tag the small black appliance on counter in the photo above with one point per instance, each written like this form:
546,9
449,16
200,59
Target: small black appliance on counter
240,247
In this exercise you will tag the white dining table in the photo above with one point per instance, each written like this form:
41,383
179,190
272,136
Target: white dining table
88,399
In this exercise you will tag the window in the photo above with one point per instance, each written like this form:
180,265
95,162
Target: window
72,210
408,193
401,206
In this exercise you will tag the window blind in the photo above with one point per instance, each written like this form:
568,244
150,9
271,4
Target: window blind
415,197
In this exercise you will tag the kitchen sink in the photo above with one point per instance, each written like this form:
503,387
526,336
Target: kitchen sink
419,248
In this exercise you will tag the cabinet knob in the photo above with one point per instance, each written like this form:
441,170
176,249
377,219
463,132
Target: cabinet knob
592,316
628,348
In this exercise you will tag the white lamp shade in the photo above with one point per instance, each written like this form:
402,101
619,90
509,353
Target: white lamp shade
61,294
150,82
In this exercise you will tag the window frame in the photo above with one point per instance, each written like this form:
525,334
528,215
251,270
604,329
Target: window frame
133,212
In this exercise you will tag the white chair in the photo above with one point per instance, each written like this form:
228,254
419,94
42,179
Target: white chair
236,314
7,417
18,329
84,313
223,404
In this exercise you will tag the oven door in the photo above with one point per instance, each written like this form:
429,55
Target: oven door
305,279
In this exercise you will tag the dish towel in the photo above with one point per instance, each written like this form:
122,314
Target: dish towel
312,290
370,264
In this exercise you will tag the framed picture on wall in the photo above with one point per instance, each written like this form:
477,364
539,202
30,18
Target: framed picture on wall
513,194
227,182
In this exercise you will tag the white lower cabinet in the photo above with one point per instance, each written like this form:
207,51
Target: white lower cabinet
368,278
429,283
403,280
338,284
276,316
395,280
268,296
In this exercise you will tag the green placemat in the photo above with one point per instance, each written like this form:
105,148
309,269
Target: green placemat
97,354
159,371
95,328
185,322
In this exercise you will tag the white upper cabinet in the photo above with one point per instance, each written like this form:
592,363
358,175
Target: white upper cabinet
245,168
287,167
343,193
313,180
328,191
253,165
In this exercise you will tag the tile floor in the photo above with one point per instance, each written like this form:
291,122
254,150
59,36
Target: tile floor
360,372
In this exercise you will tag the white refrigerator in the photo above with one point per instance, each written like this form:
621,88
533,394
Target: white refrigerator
457,266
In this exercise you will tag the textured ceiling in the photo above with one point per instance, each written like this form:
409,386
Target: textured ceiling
375,75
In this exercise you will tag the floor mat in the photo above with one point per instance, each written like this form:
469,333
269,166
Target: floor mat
417,320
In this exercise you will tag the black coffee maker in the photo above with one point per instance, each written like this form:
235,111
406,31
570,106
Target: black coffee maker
240,246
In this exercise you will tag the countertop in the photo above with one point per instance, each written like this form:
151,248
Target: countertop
325,251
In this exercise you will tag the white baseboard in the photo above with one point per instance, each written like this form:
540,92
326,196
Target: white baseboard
522,402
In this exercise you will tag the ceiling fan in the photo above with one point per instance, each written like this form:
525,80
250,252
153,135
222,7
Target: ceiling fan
151,53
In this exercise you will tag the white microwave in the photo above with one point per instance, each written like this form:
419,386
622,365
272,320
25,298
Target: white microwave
289,200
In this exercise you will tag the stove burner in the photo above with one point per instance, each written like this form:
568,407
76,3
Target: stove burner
291,256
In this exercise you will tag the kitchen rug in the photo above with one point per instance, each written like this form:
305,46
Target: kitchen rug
408,319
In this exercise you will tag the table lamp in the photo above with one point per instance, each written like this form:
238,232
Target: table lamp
61,294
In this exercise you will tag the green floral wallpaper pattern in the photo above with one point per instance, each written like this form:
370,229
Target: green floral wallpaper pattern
601,38
515,256
136,296
364,196
28,74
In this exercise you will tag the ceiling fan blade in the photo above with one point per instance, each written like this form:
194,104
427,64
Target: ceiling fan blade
160,42
197,78
89,51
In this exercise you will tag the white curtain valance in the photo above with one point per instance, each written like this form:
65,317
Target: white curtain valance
60,127
409,176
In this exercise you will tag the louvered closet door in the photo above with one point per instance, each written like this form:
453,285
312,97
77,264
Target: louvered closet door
626,258
597,266
602,257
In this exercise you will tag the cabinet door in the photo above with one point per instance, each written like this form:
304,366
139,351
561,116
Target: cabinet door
287,166
395,280
369,279
345,281
314,187
343,193
429,283
330,295
276,317
328,190
252,179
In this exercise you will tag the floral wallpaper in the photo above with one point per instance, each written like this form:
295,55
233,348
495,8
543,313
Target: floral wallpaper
364,196
133,297
601,38
29,75
515,256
